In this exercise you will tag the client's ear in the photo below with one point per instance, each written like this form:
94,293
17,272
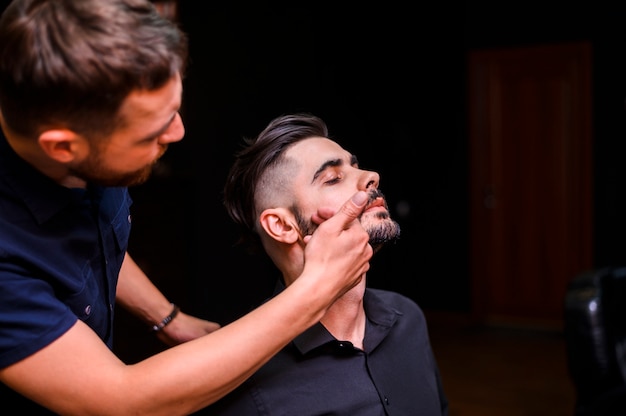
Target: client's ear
278,223
61,145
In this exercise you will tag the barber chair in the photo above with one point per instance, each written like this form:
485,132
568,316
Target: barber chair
595,339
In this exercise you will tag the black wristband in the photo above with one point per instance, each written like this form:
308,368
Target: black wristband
166,320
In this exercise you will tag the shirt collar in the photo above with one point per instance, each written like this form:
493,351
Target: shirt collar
380,320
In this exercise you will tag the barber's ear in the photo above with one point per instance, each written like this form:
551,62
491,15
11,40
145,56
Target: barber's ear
61,145
278,224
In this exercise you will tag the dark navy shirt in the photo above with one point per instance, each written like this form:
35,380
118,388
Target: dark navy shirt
61,251
395,374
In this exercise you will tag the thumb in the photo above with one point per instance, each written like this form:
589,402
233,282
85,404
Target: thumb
324,213
351,209
347,213
354,207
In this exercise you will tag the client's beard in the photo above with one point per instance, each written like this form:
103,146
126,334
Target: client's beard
381,233
384,232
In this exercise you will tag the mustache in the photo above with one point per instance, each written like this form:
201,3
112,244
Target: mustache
375,194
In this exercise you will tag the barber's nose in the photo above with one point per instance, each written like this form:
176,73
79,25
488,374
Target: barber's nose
175,131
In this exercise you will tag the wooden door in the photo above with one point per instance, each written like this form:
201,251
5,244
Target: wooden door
530,179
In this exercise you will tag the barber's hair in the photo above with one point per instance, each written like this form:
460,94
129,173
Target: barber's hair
71,63
253,161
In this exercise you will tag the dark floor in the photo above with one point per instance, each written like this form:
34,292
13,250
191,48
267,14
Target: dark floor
496,371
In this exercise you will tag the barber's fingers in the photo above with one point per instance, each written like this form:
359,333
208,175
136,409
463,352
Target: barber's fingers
322,215
355,204
352,209
348,213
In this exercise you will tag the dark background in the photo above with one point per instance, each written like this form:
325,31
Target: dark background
390,82
388,93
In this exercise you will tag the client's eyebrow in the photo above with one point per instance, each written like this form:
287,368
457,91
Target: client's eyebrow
331,164
328,164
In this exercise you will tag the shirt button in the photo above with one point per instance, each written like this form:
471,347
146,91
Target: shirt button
129,219
88,310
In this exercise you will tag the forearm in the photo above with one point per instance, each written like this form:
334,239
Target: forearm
137,293
210,367
77,374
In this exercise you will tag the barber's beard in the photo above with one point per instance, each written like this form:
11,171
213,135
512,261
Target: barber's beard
93,170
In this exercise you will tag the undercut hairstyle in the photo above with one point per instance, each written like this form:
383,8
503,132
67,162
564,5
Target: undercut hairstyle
71,63
253,168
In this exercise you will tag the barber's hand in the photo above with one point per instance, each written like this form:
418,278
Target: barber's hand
341,245
322,214
352,209
185,328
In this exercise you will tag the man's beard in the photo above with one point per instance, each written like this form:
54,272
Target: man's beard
381,232
93,171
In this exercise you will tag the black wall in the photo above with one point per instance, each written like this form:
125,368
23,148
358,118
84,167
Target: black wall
390,95
390,82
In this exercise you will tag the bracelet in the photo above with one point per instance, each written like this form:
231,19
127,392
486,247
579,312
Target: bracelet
166,320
